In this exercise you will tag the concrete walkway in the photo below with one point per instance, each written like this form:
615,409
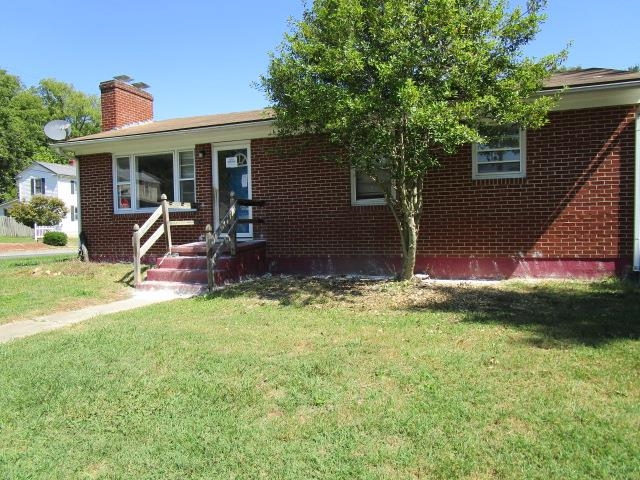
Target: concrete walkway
38,253
24,328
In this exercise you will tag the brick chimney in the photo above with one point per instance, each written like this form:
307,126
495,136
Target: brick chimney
123,104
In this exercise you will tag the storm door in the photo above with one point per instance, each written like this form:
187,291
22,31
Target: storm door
232,172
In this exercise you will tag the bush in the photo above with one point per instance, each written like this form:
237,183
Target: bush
41,210
57,239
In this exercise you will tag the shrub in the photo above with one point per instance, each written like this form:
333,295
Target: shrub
41,210
58,239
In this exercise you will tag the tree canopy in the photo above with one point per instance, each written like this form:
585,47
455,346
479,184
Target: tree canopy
23,114
41,210
400,83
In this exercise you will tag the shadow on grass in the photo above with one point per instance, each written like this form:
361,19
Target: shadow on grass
295,291
557,313
127,278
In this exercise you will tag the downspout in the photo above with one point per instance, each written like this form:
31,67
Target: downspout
636,213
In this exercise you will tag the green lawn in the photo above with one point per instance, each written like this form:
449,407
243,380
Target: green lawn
16,240
295,379
44,284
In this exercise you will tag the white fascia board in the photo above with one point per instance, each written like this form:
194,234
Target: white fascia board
176,139
597,96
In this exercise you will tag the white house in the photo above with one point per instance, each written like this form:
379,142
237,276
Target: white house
52,180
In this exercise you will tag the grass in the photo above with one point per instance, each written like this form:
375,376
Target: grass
39,285
289,378
16,240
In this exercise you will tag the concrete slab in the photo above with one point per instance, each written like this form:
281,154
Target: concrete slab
27,327
38,253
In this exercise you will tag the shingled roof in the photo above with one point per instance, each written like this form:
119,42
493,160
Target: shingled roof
590,76
572,78
187,123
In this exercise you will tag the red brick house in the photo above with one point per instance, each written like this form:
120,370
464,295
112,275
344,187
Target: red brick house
559,201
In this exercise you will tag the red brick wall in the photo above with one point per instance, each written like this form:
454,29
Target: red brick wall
123,104
576,201
109,234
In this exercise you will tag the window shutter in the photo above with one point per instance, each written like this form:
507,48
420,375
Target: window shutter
33,186
42,186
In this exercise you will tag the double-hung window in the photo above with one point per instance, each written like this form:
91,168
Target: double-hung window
503,156
37,186
140,180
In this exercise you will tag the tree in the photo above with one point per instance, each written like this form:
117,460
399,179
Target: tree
62,101
398,84
41,210
23,114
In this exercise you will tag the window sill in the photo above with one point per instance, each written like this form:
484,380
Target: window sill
150,211
369,203
499,177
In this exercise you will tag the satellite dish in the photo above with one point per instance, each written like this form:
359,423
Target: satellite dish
57,129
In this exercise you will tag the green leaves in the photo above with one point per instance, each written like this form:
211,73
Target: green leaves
41,210
23,114
408,80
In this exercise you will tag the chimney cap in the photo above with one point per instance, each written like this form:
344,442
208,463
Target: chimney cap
140,85
123,78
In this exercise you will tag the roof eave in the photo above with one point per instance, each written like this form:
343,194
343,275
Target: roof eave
592,87
70,145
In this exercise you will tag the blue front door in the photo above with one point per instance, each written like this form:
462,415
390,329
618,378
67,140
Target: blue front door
232,172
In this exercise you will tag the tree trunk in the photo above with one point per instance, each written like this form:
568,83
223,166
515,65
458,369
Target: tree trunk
409,234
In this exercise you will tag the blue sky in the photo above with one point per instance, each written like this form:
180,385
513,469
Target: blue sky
200,57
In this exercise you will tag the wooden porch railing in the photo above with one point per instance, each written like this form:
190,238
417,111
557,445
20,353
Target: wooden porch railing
138,232
226,233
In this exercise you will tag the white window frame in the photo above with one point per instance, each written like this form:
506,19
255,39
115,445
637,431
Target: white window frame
365,201
523,162
133,178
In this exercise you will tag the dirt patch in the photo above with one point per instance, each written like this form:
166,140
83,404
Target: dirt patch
25,247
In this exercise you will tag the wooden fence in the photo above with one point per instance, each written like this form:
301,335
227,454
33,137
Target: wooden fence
10,228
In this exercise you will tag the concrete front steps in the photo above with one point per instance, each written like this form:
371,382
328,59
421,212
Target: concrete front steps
185,271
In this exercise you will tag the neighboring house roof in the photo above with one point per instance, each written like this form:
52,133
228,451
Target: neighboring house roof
8,203
57,168
572,78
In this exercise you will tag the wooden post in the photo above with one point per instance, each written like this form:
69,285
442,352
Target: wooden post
165,220
136,255
209,239
233,237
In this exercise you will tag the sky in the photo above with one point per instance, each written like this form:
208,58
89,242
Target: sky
202,57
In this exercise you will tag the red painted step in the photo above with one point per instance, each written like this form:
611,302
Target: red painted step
177,275
199,262
188,266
